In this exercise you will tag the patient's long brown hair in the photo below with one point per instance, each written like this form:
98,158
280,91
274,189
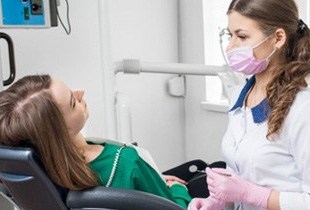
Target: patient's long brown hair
289,78
28,112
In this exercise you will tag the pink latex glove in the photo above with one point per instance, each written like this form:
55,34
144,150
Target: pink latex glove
227,186
206,204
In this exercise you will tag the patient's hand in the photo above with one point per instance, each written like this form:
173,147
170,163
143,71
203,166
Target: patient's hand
170,180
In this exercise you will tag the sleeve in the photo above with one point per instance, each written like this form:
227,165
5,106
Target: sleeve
147,179
180,194
292,200
299,132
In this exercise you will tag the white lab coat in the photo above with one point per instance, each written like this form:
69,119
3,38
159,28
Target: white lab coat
282,164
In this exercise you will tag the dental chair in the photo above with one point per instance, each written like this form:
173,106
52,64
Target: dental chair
22,174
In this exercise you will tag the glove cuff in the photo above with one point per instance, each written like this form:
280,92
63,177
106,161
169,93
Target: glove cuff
258,196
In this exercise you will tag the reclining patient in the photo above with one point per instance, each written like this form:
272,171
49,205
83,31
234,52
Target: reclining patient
43,112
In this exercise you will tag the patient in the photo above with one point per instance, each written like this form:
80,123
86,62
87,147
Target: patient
43,112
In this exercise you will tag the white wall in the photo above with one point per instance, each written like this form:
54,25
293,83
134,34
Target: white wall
147,30
204,129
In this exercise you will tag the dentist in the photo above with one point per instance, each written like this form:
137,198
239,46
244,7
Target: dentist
267,142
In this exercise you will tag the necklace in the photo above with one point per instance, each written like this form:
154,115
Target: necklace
116,159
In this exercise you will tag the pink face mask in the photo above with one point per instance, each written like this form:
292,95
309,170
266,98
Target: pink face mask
242,60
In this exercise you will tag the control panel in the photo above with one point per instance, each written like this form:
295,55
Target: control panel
28,13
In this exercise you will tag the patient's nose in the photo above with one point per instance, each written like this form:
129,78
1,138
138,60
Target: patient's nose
79,94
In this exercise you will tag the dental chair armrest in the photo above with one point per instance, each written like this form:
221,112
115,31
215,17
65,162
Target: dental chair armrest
115,198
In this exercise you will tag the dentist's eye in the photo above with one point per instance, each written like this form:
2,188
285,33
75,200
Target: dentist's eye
242,37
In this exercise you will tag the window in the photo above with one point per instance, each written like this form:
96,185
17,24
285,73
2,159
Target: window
215,20
304,10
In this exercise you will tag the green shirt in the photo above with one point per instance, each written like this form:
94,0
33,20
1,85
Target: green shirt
132,172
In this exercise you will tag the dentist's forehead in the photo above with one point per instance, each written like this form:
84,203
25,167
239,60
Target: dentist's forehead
237,22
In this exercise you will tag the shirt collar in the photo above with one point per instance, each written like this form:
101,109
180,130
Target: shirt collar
261,111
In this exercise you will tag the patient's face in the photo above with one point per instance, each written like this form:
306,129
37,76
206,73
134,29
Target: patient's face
71,104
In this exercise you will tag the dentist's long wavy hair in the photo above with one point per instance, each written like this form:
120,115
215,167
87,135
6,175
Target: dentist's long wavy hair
29,114
289,78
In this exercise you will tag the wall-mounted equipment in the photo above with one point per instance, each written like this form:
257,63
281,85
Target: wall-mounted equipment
28,13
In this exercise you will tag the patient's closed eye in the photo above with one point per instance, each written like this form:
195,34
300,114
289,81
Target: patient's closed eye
72,100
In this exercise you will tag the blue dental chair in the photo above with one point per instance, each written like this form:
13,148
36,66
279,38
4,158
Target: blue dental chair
30,188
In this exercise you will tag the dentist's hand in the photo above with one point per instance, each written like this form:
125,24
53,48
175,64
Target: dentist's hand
206,204
227,186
